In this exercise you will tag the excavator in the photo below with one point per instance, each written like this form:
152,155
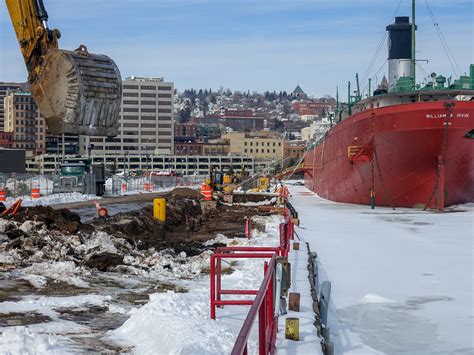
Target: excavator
76,91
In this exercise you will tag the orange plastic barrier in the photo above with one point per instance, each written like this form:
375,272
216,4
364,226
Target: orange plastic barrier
35,193
3,194
206,191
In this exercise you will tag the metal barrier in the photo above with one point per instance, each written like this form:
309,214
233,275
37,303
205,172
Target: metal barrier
263,305
216,273
267,301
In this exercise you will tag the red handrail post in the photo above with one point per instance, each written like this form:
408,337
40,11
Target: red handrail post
213,287
261,328
219,274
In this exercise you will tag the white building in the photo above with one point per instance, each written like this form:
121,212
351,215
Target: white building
146,121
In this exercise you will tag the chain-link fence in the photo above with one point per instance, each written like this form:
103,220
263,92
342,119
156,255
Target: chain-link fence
22,185
120,185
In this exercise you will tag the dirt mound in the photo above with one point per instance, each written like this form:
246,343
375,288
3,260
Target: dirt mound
185,192
39,234
185,224
61,220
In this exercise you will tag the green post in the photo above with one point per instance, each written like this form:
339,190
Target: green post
372,199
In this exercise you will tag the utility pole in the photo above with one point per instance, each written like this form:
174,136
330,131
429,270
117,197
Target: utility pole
413,47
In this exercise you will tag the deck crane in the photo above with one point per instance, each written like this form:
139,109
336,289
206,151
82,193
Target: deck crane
76,91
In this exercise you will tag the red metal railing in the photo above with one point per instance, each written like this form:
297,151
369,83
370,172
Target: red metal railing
216,273
263,305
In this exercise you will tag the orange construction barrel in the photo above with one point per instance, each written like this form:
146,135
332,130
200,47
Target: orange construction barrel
35,193
3,194
206,191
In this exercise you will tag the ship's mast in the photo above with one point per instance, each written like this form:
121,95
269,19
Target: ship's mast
413,48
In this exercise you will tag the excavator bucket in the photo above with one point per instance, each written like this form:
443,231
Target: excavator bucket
79,93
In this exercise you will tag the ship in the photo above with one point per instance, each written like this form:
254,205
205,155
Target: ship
406,144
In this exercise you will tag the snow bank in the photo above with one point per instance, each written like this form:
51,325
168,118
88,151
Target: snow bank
22,340
175,323
49,200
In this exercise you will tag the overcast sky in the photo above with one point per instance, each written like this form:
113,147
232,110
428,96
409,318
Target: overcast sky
248,44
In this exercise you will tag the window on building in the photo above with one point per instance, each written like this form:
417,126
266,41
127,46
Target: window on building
279,144
251,150
274,151
256,150
273,143
251,143
245,150
245,143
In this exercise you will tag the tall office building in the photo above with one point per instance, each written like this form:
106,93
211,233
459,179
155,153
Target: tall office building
146,121
23,120
5,88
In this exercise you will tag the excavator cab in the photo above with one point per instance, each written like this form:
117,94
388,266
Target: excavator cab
76,91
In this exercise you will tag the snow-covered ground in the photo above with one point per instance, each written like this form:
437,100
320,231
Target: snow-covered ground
402,281
172,322
179,323
50,200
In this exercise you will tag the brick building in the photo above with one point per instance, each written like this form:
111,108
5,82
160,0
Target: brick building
6,139
314,108
242,120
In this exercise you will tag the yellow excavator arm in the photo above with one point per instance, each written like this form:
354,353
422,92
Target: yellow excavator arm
76,91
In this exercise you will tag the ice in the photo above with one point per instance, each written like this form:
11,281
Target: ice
402,280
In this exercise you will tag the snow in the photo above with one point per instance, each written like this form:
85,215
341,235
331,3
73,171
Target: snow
309,342
22,340
49,337
402,280
46,304
176,323
49,200
164,325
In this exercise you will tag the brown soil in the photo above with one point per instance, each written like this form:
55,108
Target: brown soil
186,227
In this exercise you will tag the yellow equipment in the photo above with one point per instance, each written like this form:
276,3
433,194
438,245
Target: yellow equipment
263,184
159,209
76,91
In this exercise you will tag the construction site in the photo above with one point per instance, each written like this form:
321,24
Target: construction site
96,262
220,222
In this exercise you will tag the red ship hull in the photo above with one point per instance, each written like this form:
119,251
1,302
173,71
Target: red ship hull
404,160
